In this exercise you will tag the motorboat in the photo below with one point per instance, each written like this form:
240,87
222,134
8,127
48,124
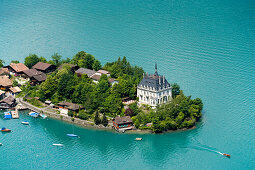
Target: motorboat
138,138
43,116
227,155
7,115
1,144
33,114
5,130
57,144
15,114
25,123
72,135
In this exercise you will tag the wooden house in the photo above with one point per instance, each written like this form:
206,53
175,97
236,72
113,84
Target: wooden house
83,71
5,82
8,102
44,67
123,123
35,76
17,68
69,106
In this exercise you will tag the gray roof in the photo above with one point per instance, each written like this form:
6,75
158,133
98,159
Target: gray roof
32,72
9,100
85,71
154,81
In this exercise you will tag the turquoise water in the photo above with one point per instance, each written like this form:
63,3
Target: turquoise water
205,46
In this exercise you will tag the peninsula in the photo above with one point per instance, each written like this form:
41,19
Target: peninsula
116,95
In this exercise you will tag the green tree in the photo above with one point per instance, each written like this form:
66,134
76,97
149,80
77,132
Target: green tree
15,83
97,119
1,63
104,120
15,61
96,65
42,59
56,58
31,60
175,90
83,115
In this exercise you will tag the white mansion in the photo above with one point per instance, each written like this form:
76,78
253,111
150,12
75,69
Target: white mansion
154,89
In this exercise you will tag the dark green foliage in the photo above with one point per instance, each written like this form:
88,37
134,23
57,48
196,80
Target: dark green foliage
175,90
15,61
97,119
70,113
85,60
15,83
31,60
96,65
104,120
83,115
56,58
1,63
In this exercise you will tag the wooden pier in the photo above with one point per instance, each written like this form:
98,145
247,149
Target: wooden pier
15,114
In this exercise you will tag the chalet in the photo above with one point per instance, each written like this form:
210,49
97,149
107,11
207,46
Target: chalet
101,72
5,82
69,106
95,78
4,71
112,81
2,94
15,90
35,76
83,71
123,123
44,67
73,67
7,102
17,68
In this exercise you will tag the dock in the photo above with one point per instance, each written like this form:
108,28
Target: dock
15,114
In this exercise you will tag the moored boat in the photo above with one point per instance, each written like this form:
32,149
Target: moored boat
7,115
138,138
5,130
72,135
25,123
15,114
33,114
43,116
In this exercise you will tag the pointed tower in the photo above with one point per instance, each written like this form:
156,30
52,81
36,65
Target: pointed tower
156,70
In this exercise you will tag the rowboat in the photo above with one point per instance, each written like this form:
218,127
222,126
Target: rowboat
138,138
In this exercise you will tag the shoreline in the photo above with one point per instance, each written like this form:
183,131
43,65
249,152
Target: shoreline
91,125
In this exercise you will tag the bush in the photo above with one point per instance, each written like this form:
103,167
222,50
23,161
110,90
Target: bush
83,115
70,113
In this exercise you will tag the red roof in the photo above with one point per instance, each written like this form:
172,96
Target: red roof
19,67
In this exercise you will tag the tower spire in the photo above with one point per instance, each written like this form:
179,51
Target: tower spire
156,70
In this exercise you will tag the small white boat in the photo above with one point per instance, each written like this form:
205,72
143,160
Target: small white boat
1,144
57,144
25,123
43,116
138,138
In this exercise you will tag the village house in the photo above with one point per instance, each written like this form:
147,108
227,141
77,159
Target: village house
95,78
112,81
15,91
64,107
123,123
35,76
101,72
154,89
83,71
8,102
4,71
5,82
73,67
44,67
2,94
16,68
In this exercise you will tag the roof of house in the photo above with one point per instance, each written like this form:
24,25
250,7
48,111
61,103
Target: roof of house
123,120
2,92
154,81
40,77
67,64
15,89
4,71
5,81
111,80
85,71
71,106
18,67
103,72
96,77
31,72
42,66
9,100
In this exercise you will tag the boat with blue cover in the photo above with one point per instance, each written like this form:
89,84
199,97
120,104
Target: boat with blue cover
33,114
43,116
5,130
7,115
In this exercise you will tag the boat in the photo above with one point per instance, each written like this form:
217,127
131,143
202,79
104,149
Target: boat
43,116
15,114
25,123
227,155
5,130
72,135
7,115
57,144
138,138
1,144
33,114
